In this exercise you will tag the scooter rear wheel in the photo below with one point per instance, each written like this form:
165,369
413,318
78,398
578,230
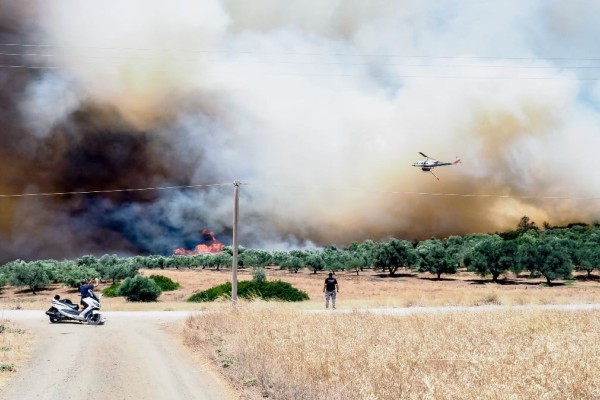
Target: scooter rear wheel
94,319
52,314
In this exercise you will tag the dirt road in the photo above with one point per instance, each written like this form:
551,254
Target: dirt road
130,357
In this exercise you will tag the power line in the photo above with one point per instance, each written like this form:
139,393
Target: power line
500,196
341,63
288,53
441,194
457,77
112,190
305,187
350,63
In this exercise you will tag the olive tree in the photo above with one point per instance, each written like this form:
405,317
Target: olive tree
587,257
492,256
3,280
435,259
395,254
547,255
554,260
33,275
292,263
313,260
360,255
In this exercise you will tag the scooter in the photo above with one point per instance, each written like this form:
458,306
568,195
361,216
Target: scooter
65,310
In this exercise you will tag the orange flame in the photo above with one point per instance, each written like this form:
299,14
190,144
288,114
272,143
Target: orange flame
210,246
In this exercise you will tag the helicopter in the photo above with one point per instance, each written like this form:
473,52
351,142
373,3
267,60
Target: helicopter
430,163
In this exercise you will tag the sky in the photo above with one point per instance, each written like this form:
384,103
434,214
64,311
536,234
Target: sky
318,107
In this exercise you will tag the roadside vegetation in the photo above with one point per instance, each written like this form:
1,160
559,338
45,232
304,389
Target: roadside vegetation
15,344
139,288
277,290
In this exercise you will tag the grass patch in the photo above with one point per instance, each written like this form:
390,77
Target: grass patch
266,290
489,299
7,367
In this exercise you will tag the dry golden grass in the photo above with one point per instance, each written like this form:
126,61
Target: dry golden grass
276,351
15,345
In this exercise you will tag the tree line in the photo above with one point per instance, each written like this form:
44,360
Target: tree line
552,252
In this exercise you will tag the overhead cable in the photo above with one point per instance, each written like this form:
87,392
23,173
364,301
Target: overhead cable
113,190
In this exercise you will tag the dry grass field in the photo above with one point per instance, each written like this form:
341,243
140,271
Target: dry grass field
277,351
15,343
280,353
284,351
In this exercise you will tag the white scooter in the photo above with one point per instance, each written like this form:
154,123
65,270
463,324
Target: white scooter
65,310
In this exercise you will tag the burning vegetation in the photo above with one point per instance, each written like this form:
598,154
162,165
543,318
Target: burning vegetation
209,245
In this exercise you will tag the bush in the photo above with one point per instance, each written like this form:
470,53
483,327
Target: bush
111,291
164,283
212,294
276,290
258,274
139,288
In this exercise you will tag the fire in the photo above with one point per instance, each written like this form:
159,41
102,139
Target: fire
209,245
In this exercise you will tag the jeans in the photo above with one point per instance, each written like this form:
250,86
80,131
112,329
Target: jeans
329,294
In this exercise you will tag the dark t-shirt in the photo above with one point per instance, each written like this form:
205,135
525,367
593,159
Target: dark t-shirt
330,284
85,291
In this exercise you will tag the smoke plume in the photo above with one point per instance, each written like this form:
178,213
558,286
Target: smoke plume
319,108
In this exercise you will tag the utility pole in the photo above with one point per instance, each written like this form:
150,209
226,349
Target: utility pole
234,262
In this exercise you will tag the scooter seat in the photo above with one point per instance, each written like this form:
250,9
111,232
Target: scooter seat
69,304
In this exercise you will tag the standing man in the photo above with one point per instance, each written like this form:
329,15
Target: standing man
330,288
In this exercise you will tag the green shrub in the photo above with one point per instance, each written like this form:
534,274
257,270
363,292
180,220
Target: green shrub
164,283
212,294
111,291
275,290
139,288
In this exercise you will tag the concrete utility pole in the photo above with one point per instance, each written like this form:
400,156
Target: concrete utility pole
234,262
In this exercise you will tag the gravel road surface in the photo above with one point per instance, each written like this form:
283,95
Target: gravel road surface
131,356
